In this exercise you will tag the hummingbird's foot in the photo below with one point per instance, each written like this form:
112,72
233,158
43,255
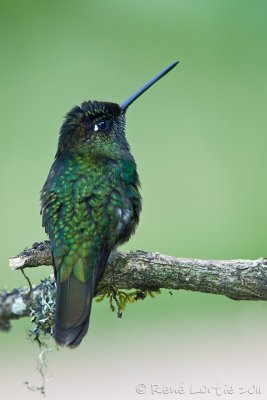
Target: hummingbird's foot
142,294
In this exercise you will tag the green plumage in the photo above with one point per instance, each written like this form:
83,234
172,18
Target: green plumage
90,204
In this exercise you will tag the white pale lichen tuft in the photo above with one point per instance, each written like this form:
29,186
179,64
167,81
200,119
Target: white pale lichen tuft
18,307
43,314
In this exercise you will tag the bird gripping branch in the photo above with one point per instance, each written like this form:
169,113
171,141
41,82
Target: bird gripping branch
90,204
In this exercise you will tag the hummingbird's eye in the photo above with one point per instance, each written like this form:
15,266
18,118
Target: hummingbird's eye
101,125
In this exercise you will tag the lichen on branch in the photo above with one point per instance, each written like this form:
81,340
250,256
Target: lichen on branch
141,272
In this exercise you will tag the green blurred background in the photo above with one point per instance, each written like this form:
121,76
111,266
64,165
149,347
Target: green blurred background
199,139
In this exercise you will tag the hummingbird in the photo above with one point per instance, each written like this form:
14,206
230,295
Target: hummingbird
90,204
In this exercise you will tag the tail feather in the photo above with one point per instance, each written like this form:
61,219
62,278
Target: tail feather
73,306
73,336
74,302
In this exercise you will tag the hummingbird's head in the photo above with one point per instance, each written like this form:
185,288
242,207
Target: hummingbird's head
95,128
98,128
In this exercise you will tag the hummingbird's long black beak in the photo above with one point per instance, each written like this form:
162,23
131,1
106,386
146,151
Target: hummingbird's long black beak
135,96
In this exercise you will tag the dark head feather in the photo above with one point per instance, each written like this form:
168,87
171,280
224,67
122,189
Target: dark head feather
75,127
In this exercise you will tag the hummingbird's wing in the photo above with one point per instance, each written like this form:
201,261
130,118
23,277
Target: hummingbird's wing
80,253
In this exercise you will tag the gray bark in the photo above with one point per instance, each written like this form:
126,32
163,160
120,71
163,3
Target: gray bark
236,279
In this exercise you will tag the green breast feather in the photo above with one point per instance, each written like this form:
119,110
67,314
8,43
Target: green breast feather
82,210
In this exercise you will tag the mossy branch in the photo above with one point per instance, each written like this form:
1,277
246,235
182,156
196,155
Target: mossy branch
142,271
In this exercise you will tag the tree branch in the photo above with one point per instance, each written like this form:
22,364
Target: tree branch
236,279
